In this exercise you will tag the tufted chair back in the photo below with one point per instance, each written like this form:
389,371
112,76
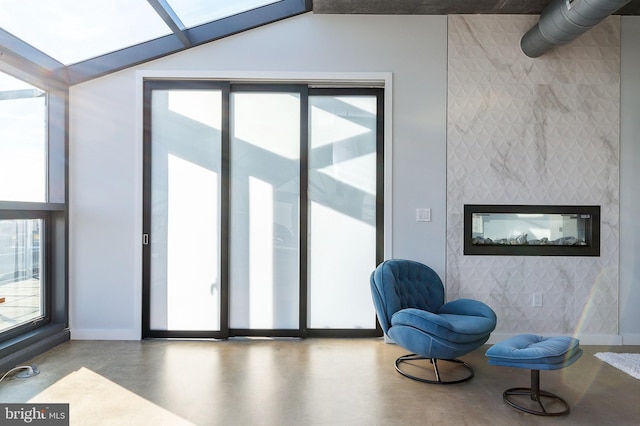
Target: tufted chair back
399,284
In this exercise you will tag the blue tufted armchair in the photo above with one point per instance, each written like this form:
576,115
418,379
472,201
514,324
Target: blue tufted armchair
409,301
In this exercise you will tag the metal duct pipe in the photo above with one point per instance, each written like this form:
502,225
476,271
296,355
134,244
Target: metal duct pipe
563,21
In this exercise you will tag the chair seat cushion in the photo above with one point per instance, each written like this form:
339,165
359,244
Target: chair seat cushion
450,327
535,352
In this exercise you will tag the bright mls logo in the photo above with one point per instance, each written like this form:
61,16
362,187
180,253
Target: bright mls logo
34,414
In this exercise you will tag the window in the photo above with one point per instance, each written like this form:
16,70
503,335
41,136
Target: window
32,227
72,31
75,40
21,283
22,141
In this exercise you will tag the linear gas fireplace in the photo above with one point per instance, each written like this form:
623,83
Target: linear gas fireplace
527,230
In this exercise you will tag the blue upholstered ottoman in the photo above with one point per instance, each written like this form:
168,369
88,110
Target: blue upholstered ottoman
535,353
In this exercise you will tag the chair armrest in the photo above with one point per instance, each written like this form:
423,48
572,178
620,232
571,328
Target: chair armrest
423,320
468,307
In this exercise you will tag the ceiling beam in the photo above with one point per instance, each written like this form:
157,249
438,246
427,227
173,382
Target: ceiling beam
9,95
46,72
164,10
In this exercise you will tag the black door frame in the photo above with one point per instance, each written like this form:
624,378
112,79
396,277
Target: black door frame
226,88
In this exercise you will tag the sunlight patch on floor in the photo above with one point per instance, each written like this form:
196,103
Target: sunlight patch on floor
95,400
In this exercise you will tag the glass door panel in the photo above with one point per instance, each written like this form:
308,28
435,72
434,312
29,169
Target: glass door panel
265,197
342,211
185,210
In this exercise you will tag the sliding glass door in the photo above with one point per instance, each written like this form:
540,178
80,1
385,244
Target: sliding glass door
263,209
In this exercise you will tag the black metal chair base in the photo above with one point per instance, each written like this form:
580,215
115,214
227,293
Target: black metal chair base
538,396
438,380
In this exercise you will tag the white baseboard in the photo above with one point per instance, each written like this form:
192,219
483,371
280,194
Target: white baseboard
586,339
600,339
631,339
104,334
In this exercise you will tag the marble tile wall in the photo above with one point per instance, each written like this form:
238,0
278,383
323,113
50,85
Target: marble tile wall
534,131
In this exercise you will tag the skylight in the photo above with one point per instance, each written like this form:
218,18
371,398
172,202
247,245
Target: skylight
197,12
71,31
72,41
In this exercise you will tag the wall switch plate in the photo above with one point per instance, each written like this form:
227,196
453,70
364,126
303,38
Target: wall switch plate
423,215
537,300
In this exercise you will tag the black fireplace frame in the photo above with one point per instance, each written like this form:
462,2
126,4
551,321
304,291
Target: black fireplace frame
592,233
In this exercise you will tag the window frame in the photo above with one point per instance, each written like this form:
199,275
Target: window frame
28,340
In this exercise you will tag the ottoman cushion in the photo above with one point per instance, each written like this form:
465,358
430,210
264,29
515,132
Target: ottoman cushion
535,352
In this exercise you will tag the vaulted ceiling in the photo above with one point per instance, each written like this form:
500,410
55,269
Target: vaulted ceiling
70,41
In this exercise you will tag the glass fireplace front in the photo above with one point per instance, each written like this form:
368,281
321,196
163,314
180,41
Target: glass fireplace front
528,230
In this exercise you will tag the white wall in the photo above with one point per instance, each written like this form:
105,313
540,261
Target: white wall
104,210
629,178
106,162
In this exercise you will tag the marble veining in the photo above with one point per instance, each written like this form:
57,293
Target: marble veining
534,131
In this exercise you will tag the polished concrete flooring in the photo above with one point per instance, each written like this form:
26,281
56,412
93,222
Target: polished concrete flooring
321,382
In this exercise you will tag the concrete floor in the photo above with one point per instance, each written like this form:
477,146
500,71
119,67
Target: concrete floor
324,382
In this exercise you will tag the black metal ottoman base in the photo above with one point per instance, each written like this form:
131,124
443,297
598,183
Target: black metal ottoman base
538,396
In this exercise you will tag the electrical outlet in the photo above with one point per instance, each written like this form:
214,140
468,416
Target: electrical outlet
29,371
537,300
